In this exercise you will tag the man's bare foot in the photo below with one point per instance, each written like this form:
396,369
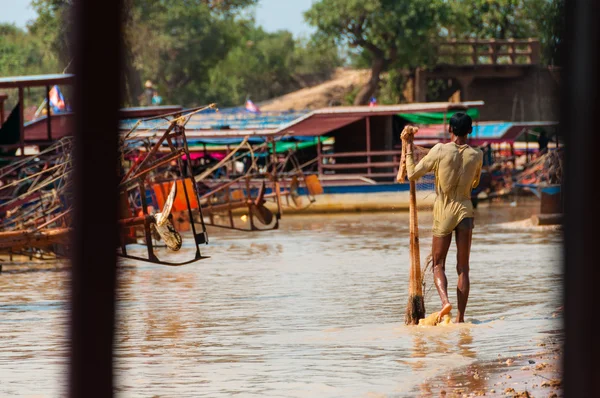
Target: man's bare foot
460,319
444,311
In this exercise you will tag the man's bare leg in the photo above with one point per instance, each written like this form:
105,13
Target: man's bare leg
439,251
464,234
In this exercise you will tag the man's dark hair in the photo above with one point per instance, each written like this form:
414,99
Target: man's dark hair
461,124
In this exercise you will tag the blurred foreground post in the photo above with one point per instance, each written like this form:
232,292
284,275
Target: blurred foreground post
580,109
97,99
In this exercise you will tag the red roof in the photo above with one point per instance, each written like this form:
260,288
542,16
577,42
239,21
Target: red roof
323,121
36,80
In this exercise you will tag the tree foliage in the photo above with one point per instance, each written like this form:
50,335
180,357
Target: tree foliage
498,19
200,51
53,28
267,65
175,45
194,51
23,54
392,35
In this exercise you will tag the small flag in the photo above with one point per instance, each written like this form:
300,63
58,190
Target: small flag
57,101
373,102
250,107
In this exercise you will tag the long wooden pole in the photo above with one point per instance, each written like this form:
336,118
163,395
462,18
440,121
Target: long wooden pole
415,287
37,239
48,120
415,308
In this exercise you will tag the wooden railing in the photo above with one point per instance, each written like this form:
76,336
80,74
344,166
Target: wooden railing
489,52
364,165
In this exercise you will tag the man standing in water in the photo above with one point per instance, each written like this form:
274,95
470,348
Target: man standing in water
457,169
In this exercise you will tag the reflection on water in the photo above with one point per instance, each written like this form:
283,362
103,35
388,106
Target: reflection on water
313,309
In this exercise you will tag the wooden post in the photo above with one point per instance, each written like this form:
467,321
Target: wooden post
526,147
512,50
249,200
494,52
368,122
48,120
227,168
319,158
148,233
2,99
445,127
22,123
276,185
229,212
512,154
534,51
95,239
420,92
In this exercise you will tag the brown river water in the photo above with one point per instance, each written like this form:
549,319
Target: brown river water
315,308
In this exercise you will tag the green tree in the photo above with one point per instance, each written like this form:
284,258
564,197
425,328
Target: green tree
396,34
266,65
195,51
176,45
509,19
54,27
173,43
549,17
314,60
258,67
20,53
23,54
491,19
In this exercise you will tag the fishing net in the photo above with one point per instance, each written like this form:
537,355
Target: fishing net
425,186
546,169
425,197
35,195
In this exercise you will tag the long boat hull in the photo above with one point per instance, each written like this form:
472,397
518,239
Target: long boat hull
353,197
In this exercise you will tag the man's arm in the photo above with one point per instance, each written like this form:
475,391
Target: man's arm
425,165
478,172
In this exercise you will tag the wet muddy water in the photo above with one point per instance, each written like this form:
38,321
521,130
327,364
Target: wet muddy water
315,308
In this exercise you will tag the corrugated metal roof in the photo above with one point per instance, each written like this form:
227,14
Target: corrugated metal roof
314,123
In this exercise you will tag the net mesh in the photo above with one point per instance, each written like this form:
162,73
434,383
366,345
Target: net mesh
425,186
425,193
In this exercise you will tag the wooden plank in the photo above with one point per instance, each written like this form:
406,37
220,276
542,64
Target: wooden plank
22,121
48,119
34,239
